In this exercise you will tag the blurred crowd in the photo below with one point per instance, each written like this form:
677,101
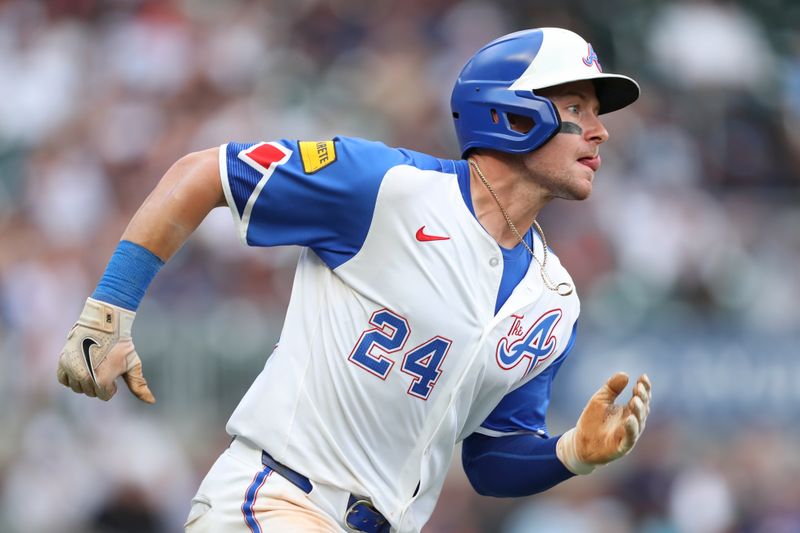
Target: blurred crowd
694,224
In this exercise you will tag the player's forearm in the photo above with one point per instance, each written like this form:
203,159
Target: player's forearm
189,190
512,466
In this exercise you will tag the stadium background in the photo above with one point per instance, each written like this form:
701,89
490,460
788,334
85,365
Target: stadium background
686,257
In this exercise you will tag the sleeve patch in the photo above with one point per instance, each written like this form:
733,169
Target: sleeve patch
264,157
316,155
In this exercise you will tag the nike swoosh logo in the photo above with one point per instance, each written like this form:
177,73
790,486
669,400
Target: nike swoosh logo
87,343
424,237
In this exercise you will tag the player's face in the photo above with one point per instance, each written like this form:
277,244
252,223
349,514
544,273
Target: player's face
565,165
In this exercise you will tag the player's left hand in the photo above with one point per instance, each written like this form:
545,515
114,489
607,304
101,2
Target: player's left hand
606,431
99,349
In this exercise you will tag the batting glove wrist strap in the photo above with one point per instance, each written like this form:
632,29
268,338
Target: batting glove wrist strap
107,318
567,452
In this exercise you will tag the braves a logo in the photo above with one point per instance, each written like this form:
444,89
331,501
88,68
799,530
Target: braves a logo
534,345
591,57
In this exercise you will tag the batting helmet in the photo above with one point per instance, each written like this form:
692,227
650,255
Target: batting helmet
503,77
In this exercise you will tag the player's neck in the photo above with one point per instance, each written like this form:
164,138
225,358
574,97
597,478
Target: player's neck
521,200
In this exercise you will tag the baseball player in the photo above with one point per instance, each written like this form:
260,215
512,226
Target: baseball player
427,308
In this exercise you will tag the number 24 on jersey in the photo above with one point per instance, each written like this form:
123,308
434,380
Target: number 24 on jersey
388,335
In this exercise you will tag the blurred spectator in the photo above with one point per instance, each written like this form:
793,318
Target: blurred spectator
701,502
710,44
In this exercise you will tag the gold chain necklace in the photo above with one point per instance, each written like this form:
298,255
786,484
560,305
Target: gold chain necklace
563,288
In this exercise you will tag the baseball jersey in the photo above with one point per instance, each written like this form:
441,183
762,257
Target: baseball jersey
402,336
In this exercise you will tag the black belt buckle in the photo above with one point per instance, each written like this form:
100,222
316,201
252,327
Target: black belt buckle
362,517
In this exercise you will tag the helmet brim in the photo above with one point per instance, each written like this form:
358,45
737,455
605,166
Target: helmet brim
614,91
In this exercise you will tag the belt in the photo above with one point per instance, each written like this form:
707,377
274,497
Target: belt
361,516
298,480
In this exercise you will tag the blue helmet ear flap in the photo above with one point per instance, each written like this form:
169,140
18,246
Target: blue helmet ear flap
480,114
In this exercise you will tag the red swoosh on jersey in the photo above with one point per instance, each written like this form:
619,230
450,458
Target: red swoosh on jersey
424,237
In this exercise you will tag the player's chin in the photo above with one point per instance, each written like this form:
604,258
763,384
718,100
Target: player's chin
579,188
582,183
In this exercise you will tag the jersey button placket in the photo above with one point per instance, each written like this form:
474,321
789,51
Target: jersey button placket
494,261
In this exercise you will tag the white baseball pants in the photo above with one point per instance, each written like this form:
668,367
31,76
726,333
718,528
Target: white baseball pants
240,495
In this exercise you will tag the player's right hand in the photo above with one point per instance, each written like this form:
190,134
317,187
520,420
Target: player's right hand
98,350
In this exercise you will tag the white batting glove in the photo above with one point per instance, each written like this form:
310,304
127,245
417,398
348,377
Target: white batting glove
606,431
98,350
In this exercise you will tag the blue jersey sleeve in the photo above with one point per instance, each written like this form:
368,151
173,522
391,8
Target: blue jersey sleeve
523,410
316,194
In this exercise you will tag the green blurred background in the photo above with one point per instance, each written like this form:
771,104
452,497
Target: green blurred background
686,256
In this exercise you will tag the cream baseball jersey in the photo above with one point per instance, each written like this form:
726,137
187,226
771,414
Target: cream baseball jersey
408,327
